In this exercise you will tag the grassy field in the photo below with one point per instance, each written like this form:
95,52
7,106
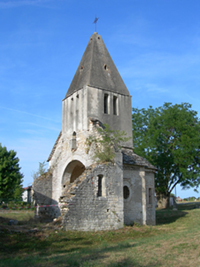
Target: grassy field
174,241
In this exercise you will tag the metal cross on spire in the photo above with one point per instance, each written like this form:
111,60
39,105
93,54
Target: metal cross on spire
95,22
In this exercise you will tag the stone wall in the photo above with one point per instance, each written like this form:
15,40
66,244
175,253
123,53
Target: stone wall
136,207
89,103
82,206
150,198
42,187
121,121
133,204
64,155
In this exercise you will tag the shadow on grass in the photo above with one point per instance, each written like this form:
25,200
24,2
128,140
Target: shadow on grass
84,256
102,256
128,262
18,243
188,206
166,216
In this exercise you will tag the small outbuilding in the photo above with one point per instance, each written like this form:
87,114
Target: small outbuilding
27,194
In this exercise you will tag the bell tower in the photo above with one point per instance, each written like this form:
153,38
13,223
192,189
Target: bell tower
97,92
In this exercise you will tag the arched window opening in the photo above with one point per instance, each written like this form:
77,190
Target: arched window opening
73,170
99,192
73,141
77,171
150,196
126,192
106,103
115,106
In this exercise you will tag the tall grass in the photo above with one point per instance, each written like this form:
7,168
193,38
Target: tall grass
174,241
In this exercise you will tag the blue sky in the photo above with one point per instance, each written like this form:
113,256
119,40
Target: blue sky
154,44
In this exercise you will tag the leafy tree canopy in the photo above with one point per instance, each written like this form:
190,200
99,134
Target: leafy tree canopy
42,169
10,175
169,137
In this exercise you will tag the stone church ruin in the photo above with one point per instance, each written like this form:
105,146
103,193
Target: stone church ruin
89,195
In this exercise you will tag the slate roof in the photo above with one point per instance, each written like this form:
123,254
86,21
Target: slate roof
97,69
130,158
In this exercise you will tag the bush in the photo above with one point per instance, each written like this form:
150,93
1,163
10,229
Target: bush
15,205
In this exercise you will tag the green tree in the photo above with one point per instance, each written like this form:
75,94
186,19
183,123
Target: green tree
106,143
169,137
42,169
10,175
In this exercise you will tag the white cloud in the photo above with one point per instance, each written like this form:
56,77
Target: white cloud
160,64
33,149
30,131
16,3
31,114
155,88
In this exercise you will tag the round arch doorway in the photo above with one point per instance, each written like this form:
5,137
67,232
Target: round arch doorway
73,170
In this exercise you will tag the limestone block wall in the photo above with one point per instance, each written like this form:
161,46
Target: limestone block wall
64,154
89,103
133,211
42,187
121,120
85,208
75,112
150,198
137,207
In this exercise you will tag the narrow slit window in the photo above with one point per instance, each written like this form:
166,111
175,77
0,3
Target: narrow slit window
73,141
150,195
106,103
99,192
126,192
115,105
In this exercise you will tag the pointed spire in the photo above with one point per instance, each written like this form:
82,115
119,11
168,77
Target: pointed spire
97,69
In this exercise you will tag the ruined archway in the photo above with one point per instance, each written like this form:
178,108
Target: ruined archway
73,170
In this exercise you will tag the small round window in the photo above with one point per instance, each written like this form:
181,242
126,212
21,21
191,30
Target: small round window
126,192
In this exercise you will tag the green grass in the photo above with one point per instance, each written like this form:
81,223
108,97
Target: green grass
22,215
174,241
